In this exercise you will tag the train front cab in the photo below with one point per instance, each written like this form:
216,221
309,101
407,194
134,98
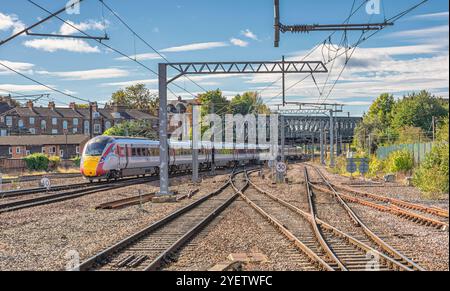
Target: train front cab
93,158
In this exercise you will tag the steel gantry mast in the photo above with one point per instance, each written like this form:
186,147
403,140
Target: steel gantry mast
303,109
307,28
215,68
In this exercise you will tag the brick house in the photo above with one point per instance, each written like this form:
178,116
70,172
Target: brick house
52,120
18,147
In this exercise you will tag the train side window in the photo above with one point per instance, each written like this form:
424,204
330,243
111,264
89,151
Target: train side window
134,152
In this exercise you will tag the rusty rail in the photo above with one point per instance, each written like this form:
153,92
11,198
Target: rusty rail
315,226
283,230
393,264
385,246
408,205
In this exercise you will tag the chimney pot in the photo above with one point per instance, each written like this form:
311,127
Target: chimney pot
51,105
30,104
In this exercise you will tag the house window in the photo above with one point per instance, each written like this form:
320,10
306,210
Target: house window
3,132
54,121
86,127
61,153
32,120
43,125
9,120
75,130
97,128
10,151
108,124
77,150
75,122
65,124
33,130
54,131
43,150
96,115
52,150
18,150
2,119
28,153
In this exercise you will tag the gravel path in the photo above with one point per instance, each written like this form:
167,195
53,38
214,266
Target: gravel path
40,238
240,229
424,244
35,184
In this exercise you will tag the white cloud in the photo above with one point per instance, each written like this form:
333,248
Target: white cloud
89,74
53,45
24,88
141,57
194,47
67,29
432,16
131,83
372,71
430,32
249,34
18,66
10,22
239,42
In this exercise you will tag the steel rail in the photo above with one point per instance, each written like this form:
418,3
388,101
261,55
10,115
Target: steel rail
393,209
405,204
283,230
389,261
375,238
50,199
103,256
160,261
315,226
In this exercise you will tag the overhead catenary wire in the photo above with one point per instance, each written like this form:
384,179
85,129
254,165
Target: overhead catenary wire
106,45
44,85
361,40
144,41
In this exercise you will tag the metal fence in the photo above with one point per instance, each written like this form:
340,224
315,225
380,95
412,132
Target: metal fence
419,150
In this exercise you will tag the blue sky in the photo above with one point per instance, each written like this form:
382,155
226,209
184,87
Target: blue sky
410,56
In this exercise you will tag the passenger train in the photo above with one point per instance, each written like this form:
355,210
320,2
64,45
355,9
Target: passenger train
107,157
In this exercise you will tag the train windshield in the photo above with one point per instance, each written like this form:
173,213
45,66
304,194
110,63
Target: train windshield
96,147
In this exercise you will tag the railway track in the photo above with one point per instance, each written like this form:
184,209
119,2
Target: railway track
39,177
152,248
330,248
427,216
70,194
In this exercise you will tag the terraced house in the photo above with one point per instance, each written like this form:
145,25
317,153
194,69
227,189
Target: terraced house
52,120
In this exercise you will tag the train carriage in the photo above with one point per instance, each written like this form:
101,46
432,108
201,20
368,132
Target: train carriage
107,157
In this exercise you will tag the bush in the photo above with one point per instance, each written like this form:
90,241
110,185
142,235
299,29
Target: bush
433,174
77,161
400,161
54,162
376,167
37,162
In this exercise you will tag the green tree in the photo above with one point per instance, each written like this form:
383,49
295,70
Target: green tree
136,128
137,97
381,109
417,110
249,102
213,102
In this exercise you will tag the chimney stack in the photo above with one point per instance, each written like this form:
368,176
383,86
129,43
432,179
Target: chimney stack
30,104
73,105
117,107
51,105
94,106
